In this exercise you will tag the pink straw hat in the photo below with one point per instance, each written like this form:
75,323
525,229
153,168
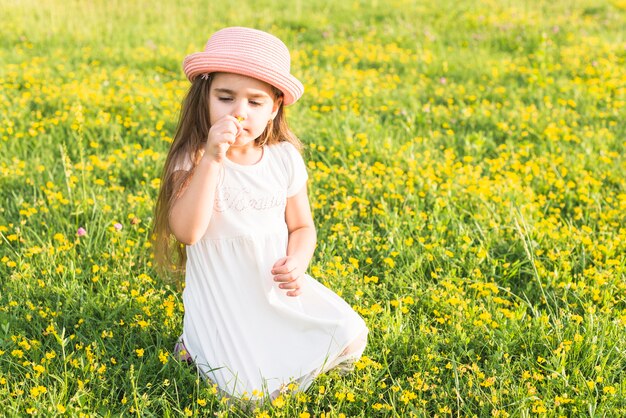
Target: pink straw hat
248,52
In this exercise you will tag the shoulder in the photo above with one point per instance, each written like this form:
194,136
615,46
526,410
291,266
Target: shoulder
289,160
284,147
286,152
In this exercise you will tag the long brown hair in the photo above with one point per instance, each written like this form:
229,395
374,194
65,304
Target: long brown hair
190,137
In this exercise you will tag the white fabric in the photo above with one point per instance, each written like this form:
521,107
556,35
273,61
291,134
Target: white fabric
242,331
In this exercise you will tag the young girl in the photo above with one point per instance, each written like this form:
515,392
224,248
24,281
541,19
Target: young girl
234,192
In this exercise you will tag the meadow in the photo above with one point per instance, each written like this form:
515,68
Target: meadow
467,178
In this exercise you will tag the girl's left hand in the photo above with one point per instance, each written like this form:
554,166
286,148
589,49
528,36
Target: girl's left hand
288,274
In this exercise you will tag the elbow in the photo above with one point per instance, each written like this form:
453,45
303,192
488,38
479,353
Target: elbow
187,233
187,237
310,228
187,242
310,231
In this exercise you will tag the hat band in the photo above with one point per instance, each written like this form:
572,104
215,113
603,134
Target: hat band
201,63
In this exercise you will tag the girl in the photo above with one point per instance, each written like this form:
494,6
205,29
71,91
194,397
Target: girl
234,192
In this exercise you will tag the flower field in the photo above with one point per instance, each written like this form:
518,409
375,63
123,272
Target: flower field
467,177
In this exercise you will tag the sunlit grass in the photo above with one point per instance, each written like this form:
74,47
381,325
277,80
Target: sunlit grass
467,182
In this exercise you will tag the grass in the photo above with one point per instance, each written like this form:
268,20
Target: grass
467,181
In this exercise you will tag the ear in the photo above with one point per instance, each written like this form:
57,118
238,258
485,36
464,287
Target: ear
277,104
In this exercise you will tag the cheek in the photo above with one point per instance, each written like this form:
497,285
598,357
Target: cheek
216,111
261,121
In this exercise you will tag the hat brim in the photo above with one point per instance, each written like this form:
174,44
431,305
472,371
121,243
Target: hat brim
204,63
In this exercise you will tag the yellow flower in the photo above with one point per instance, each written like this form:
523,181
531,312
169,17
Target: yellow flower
38,390
609,390
389,261
279,402
139,352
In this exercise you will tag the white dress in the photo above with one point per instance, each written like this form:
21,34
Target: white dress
240,329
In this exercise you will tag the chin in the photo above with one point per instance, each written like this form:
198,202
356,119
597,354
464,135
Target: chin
242,142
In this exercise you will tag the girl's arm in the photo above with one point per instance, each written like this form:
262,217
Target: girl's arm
190,213
301,244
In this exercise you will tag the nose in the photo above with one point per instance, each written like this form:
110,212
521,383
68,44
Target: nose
239,112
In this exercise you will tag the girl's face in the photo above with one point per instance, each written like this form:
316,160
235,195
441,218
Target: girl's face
247,99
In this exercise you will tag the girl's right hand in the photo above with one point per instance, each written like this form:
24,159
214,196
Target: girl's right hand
221,136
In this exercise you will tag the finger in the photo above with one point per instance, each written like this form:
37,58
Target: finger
285,278
224,144
232,121
290,286
284,269
295,285
296,292
221,135
239,128
227,124
285,274
279,263
228,131
224,147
